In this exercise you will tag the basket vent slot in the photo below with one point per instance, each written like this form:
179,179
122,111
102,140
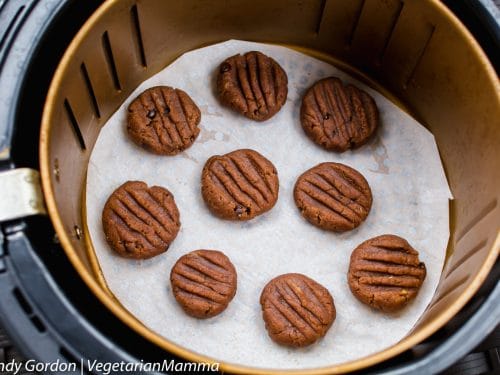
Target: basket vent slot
394,22
320,16
138,35
90,88
108,53
420,57
467,255
74,124
450,289
482,214
356,23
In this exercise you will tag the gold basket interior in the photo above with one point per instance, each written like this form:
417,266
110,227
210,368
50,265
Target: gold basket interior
414,49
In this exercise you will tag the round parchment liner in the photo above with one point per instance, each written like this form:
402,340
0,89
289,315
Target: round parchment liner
410,199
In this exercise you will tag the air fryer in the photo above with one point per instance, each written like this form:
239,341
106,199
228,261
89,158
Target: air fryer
52,304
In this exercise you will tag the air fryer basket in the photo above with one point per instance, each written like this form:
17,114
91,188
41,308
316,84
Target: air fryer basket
416,50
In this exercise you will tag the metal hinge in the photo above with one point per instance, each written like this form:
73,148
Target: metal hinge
20,194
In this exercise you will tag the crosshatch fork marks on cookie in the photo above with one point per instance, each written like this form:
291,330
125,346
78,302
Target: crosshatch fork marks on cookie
333,196
297,310
163,120
337,116
203,282
381,268
252,84
240,185
385,272
140,222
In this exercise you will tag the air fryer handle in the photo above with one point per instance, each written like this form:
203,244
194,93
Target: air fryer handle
21,23
21,194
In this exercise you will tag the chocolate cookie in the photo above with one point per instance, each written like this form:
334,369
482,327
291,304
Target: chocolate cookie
140,221
203,282
337,116
385,272
296,309
163,120
239,185
333,196
252,84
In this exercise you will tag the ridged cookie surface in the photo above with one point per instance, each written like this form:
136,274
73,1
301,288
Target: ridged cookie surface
333,196
252,84
297,310
163,120
239,185
203,282
336,116
140,221
386,273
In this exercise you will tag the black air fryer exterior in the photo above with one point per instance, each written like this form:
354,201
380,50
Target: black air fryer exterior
47,310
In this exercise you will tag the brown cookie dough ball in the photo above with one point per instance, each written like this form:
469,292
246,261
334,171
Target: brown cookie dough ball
338,117
296,309
386,273
203,283
333,196
163,120
252,84
239,185
140,221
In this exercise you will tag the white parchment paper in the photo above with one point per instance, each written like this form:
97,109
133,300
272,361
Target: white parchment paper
410,199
